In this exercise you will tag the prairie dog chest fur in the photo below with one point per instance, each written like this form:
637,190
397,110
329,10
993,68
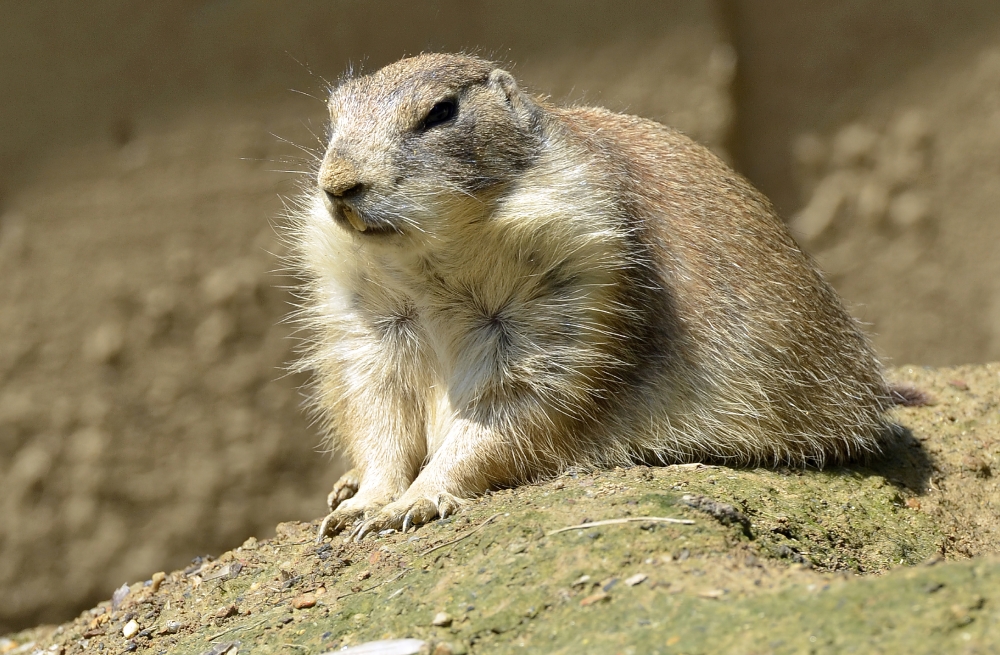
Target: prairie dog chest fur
497,288
507,271
493,304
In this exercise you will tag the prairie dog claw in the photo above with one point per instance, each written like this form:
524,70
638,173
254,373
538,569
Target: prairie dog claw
407,513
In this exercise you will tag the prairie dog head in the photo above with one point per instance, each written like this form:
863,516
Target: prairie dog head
429,138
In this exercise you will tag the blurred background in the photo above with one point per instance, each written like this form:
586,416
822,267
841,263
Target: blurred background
145,149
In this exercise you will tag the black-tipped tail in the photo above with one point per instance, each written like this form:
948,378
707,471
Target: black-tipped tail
909,396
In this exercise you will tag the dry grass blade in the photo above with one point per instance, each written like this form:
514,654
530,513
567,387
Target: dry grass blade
631,519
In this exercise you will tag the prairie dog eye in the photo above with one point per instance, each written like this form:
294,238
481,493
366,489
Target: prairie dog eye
442,112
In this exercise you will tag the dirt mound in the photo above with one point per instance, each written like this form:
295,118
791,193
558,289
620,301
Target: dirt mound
683,558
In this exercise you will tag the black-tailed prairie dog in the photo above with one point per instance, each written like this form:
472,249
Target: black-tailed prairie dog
498,288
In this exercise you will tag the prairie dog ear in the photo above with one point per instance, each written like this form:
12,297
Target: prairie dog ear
520,102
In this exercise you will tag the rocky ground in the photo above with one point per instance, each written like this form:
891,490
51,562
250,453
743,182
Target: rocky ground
895,556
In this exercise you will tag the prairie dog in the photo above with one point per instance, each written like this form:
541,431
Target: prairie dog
498,288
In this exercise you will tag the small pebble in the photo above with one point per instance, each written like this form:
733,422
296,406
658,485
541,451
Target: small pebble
441,620
594,598
443,648
226,611
713,594
638,578
226,648
119,596
582,580
171,628
130,629
157,580
304,601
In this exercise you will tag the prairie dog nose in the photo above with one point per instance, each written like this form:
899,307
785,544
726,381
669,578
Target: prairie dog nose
347,193
339,178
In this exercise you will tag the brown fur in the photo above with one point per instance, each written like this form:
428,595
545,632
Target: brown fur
521,287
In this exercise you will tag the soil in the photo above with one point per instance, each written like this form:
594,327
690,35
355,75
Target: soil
889,557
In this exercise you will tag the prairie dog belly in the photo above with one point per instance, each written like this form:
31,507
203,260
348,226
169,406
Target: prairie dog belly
497,325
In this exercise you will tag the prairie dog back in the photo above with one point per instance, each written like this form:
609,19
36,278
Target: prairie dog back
498,288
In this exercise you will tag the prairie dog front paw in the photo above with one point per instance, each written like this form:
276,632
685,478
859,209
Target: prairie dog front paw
410,510
344,488
350,513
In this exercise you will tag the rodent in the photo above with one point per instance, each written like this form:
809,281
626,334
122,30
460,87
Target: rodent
498,288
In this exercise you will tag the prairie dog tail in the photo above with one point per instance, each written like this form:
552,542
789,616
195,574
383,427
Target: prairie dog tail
905,396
